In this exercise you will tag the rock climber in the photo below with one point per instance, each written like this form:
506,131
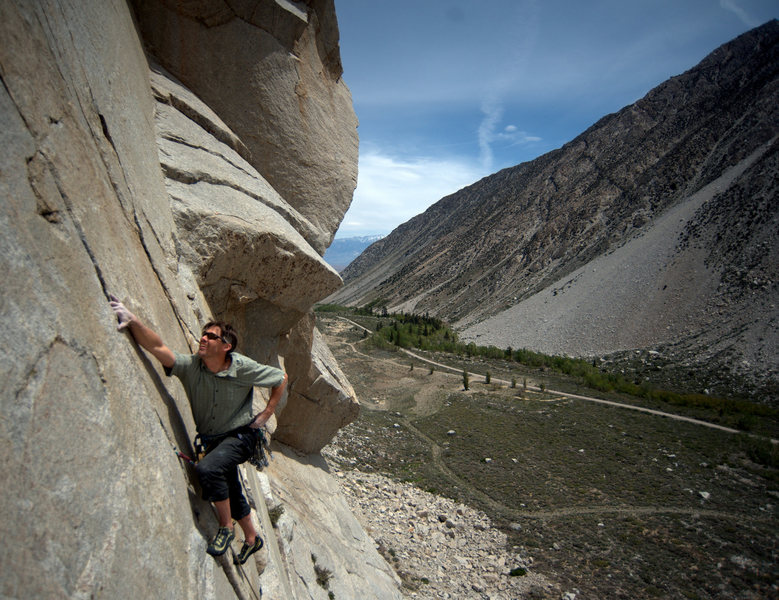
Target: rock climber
219,383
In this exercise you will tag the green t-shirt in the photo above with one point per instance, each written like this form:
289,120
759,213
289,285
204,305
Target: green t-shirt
222,401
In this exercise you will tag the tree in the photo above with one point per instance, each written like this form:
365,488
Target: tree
465,380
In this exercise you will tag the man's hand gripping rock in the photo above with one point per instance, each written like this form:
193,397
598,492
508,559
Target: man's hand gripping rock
124,316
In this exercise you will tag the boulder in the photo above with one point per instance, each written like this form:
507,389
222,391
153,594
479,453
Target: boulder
280,90
321,400
196,146
320,535
238,248
239,242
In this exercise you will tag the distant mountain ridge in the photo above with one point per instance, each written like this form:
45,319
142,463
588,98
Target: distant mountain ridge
703,143
344,250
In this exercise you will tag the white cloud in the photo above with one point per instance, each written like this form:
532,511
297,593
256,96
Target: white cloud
489,134
392,190
492,116
735,7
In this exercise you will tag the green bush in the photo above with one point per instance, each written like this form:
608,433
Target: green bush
760,450
275,514
432,334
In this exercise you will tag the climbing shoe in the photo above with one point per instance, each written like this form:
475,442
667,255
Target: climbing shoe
221,542
247,550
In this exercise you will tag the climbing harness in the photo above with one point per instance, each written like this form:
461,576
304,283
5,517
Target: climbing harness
256,439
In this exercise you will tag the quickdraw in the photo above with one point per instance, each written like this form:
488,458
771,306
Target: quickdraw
183,456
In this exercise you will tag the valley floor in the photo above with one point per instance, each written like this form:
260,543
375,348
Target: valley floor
584,500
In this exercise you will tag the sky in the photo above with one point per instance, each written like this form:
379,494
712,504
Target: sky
450,91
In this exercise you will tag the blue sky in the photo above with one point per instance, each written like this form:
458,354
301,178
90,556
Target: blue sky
449,91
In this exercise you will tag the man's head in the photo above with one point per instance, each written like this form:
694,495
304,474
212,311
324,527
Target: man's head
217,337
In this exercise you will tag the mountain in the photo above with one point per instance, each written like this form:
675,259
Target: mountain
656,227
344,250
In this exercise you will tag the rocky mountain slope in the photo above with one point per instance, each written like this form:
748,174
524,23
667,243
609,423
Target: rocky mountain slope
656,226
128,170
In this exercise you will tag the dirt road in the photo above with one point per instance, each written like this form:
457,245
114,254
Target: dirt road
568,395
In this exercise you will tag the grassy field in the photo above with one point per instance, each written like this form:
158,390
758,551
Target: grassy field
611,502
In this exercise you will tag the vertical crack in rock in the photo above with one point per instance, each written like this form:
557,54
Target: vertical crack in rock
179,319
77,225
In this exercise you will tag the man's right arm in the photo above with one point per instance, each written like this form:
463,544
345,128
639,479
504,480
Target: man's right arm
146,338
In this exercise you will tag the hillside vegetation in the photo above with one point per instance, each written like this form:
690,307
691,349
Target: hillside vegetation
436,339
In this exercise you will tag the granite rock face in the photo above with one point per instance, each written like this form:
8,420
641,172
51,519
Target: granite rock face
237,245
271,70
333,557
117,179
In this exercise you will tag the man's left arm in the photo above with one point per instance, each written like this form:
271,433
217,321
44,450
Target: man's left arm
276,392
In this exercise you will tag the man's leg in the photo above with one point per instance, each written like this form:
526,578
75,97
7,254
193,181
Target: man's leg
223,513
217,472
242,513
239,508
249,532
252,540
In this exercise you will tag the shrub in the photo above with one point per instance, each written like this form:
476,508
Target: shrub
759,450
275,514
323,575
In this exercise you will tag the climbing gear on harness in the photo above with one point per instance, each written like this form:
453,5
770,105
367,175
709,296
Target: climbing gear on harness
200,446
255,438
258,458
221,541
247,551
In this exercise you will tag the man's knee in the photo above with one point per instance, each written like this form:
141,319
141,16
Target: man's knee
203,470
212,484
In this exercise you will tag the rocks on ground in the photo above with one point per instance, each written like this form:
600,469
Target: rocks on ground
439,548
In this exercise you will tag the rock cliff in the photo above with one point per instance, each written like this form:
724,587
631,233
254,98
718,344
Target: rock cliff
651,228
129,169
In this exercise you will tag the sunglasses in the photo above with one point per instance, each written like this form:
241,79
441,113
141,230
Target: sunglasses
212,336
